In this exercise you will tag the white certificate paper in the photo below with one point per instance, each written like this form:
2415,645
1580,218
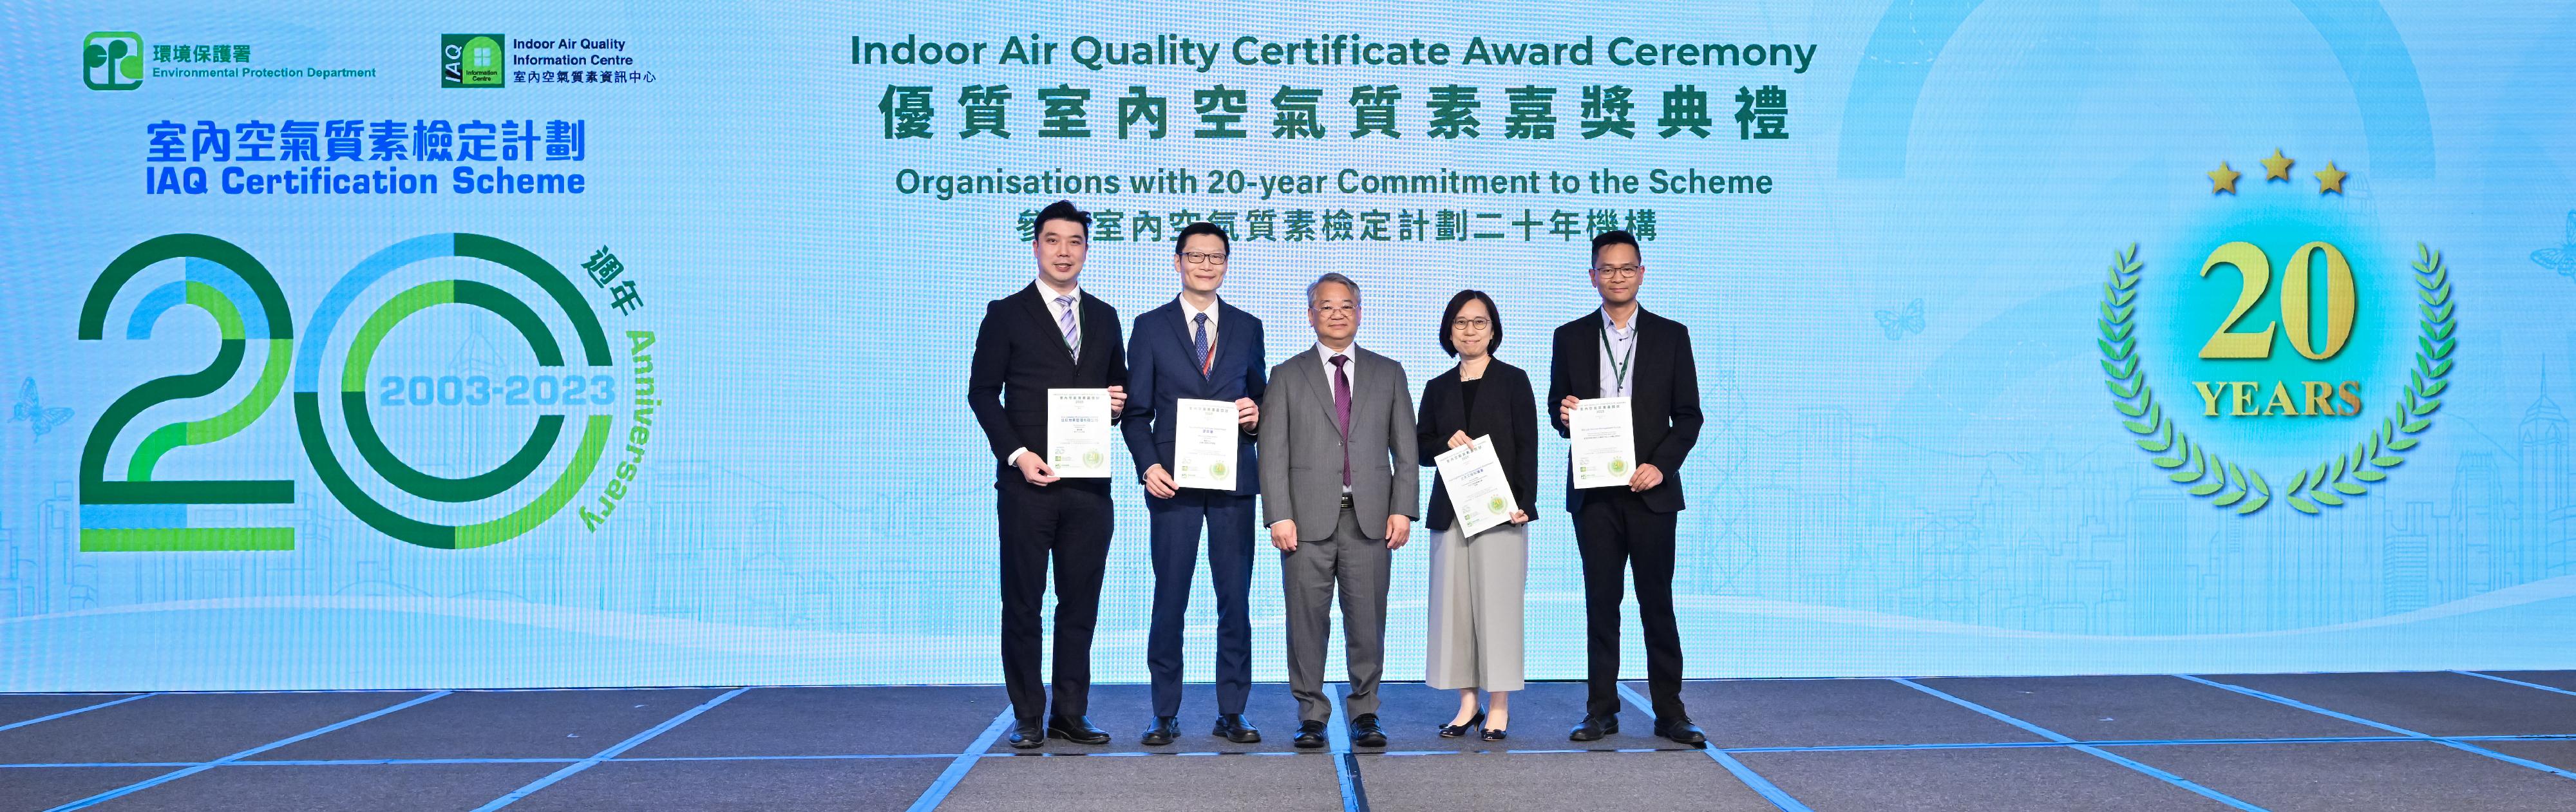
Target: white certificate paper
1204,444
1078,432
1478,493
1605,443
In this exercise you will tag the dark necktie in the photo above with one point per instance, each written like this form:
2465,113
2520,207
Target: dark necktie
1342,411
1201,347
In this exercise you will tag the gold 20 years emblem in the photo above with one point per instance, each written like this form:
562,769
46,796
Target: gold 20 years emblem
2317,299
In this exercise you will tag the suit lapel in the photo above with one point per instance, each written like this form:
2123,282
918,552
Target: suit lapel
1312,361
1044,310
1587,364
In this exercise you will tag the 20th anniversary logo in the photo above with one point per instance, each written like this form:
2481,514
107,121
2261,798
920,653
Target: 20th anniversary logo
2339,307
576,378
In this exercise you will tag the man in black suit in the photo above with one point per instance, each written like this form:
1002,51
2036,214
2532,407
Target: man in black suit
1623,351
1049,335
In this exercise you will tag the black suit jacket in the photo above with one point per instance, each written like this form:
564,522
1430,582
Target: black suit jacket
1502,412
1020,354
1663,384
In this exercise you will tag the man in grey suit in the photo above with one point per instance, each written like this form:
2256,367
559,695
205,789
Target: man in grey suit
1337,461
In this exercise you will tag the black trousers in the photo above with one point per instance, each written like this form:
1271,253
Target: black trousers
1176,522
1072,520
1616,532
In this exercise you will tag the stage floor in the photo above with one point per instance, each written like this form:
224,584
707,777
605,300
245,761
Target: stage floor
2441,740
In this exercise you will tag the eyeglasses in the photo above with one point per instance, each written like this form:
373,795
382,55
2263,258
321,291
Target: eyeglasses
1197,258
1476,324
1615,271
1330,310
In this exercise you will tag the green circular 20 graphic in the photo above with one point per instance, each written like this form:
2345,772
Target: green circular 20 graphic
593,351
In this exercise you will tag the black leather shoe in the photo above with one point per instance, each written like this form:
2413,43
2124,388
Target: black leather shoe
1161,732
1593,728
1234,729
1366,733
1493,734
1027,736
1461,728
1680,730
1076,729
1310,735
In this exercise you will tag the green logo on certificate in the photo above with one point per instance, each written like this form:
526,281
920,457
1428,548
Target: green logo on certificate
1091,459
1216,469
1618,466
1494,505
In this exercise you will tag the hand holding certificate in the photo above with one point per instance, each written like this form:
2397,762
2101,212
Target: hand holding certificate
1204,444
1478,493
1078,432
1605,443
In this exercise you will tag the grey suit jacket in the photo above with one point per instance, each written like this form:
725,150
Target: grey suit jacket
1301,447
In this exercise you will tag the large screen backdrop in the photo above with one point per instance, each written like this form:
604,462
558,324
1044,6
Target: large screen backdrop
625,344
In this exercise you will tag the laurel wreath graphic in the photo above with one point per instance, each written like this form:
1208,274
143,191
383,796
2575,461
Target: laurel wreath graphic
2210,474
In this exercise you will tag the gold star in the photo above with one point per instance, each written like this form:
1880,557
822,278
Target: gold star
2223,180
2331,180
2276,167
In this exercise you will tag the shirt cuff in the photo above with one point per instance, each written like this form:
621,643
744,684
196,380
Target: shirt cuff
1014,458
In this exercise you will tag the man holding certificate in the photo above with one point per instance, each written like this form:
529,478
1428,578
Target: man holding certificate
1625,389
1339,492
1047,380
1198,378
1481,413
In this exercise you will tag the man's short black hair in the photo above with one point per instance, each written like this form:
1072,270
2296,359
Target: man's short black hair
1195,229
1060,210
1459,302
1615,237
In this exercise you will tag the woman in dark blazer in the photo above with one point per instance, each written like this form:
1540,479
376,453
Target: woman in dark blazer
1475,604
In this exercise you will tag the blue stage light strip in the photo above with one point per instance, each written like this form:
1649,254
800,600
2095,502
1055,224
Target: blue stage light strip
183,773
1769,791
2453,743
1346,765
948,778
2505,680
2086,749
109,703
612,752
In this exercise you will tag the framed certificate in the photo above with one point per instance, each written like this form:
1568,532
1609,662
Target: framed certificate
1078,432
1605,443
1205,440
1478,493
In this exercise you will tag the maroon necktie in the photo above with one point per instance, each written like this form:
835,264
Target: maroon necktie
1342,412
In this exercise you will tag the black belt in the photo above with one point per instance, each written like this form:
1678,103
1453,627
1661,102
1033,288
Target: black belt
1346,501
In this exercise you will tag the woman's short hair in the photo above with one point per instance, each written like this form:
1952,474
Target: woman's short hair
1450,316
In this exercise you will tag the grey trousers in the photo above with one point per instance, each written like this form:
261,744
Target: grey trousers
1475,608
1356,567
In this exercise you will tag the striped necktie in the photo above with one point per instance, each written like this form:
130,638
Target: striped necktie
1072,333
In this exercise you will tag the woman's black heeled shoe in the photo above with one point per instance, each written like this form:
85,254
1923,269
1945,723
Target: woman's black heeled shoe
1494,734
1457,730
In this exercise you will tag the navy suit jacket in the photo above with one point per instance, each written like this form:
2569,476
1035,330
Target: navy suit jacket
1162,368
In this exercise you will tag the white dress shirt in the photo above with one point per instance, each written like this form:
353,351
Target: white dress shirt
1055,312
1350,375
1621,346
1190,323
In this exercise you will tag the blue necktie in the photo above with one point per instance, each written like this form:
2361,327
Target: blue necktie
1201,346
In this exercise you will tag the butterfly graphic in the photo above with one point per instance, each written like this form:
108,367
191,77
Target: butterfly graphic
2562,258
1898,323
32,409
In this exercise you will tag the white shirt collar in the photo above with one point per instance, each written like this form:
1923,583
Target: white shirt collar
1614,327
1049,293
1189,315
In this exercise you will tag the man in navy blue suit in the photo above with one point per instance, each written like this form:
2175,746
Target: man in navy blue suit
1197,347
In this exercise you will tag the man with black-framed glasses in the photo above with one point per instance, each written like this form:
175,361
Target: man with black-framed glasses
1201,353
1622,351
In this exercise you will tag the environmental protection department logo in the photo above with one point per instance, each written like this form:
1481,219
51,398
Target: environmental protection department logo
471,60
2296,367
112,60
